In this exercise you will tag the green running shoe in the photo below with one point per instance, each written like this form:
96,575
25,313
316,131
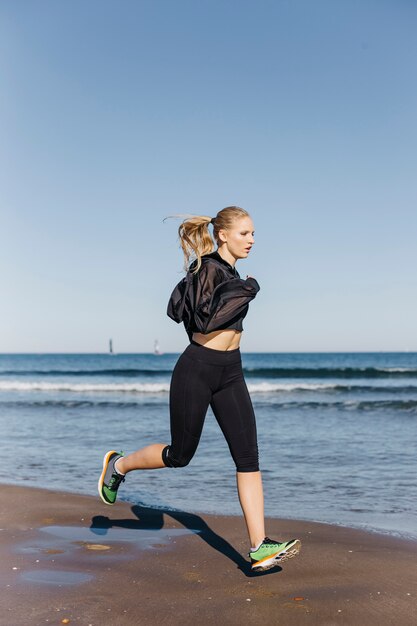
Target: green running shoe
271,553
109,481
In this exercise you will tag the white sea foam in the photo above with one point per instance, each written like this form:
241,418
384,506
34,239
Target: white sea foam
160,387
11,385
299,386
397,369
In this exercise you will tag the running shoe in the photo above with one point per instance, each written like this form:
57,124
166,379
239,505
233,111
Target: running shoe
271,553
110,480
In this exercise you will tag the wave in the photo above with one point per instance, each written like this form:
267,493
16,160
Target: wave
163,387
250,372
84,387
116,373
331,372
359,405
367,405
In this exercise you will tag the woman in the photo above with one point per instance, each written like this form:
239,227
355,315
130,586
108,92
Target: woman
211,301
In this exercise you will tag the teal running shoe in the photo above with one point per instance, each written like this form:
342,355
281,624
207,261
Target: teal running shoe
271,553
109,481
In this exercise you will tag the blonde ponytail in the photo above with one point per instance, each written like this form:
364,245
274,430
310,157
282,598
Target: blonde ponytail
194,234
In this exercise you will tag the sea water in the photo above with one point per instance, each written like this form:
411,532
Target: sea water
336,432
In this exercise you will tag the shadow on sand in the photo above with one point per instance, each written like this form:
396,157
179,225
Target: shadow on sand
149,518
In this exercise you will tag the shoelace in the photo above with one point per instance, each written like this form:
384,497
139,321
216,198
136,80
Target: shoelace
115,481
268,542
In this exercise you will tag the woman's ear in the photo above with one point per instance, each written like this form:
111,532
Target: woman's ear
222,235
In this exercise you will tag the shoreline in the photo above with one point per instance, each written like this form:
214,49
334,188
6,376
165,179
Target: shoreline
405,535
69,556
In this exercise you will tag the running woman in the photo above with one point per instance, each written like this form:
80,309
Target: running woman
211,301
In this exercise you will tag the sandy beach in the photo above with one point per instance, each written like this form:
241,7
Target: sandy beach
70,557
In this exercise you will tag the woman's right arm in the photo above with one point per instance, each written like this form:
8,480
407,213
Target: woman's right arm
217,301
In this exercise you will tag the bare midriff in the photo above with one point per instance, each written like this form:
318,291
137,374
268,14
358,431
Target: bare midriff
219,339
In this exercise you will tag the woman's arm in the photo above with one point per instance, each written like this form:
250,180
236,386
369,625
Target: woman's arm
220,303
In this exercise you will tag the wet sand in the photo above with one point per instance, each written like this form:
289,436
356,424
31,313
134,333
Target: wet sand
71,557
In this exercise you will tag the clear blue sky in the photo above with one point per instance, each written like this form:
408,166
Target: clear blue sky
114,115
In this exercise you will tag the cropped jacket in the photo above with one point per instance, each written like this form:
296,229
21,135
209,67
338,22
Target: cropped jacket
214,298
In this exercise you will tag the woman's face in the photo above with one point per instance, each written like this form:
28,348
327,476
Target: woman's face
239,238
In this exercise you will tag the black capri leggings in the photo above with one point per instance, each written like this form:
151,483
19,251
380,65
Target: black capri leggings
202,377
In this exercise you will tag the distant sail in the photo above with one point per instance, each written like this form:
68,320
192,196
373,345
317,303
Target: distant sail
111,346
156,349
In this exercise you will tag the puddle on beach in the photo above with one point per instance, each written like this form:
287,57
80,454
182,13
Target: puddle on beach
143,538
58,542
67,538
54,577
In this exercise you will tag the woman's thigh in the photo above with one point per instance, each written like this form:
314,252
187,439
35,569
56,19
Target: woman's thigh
234,412
189,399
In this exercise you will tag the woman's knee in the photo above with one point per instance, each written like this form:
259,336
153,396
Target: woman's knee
247,461
171,460
253,466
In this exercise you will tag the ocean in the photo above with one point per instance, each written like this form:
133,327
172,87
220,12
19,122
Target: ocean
336,432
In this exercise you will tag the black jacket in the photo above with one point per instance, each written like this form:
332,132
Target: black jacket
212,299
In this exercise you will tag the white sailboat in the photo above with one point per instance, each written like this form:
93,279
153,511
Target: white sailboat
156,349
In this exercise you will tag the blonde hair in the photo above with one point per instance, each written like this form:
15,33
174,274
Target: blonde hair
194,234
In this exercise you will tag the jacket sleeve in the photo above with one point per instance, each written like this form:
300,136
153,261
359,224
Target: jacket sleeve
177,305
219,302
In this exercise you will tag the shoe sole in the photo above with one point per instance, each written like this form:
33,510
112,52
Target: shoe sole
103,473
279,557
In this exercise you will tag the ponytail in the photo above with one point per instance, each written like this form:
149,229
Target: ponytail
194,234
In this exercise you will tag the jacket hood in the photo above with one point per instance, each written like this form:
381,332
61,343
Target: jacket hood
216,256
